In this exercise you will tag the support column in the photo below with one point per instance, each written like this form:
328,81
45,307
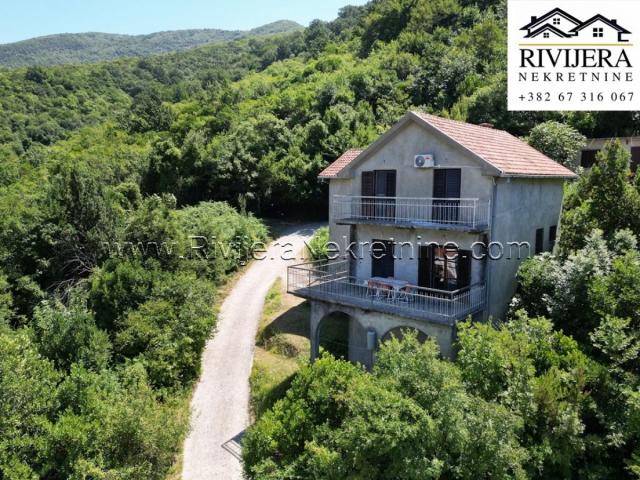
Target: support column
317,314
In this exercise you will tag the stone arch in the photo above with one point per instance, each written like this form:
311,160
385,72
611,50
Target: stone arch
333,332
398,332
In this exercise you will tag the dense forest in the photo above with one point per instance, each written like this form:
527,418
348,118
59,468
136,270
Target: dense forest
94,47
106,169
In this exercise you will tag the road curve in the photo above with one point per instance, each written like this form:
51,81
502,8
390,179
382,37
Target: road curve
220,404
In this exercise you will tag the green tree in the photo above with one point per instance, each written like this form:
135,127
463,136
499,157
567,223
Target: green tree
558,141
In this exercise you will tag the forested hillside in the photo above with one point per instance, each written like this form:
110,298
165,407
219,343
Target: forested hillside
100,344
95,47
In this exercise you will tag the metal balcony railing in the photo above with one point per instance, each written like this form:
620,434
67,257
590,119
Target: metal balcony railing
330,281
469,213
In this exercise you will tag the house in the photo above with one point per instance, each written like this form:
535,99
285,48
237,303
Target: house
555,23
558,25
601,29
588,154
420,207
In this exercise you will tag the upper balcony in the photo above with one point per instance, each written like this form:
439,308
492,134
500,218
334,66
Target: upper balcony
330,282
463,214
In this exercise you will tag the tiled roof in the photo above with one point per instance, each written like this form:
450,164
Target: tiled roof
336,167
507,153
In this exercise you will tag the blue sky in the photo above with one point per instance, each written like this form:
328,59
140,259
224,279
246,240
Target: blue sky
22,19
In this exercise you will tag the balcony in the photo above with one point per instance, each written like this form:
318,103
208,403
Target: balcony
330,281
463,214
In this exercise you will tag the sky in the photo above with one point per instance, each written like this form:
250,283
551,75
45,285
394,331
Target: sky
22,19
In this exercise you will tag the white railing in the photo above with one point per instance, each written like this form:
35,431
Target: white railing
462,212
330,281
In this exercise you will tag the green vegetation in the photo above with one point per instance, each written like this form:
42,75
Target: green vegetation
106,170
282,346
551,393
318,245
96,47
558,141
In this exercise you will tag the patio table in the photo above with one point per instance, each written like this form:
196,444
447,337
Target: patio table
394,285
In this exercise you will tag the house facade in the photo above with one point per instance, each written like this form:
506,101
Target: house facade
429,225
587,156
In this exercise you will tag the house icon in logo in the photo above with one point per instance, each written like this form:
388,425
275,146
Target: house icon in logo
559,25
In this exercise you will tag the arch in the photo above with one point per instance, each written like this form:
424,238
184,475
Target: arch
332,334
399,333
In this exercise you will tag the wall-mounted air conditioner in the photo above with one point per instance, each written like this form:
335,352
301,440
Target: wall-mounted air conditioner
424,161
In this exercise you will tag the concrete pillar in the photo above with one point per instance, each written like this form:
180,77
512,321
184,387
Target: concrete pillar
317,314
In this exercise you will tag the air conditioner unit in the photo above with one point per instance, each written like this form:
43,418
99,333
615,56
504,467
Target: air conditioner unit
424,161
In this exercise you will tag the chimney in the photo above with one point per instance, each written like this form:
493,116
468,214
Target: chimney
614,21
533,19
487,125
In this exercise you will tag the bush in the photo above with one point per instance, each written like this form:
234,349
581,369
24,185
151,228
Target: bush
68,335
318,245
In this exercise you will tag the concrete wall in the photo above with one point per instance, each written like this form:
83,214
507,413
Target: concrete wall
398,154
362,321
406,263
521,207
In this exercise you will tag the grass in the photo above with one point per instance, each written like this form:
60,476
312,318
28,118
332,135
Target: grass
282,345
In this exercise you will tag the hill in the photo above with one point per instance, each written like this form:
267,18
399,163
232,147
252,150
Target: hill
93,47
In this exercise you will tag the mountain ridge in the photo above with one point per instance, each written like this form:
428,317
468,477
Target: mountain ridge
92,47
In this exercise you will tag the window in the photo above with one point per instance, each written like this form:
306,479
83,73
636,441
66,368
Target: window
447,269
598,32
553,233
635,159
545,34
539,240
588,158
556,21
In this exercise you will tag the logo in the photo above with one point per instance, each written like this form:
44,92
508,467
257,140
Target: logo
575,56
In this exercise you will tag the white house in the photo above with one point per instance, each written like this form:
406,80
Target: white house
440,214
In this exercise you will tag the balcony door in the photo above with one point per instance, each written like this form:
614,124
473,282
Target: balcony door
376,185
446,185
382,261
444,269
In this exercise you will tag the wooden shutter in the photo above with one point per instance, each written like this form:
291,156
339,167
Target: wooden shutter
446,183
588,158
464,268
454,177
383,266
391,183
439,183
539,240
635,159
368,184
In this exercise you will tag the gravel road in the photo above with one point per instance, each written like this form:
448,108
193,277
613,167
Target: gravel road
220,404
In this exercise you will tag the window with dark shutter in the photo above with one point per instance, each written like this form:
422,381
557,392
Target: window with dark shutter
553,233
635,159
368,184
539,240
446,184
464,268
368,190
588,158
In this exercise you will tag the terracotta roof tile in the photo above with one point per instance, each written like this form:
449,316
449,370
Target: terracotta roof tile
336,167
508,154
500,149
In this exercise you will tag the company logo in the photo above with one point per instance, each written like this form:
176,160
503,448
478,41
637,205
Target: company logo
562,61
557,25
